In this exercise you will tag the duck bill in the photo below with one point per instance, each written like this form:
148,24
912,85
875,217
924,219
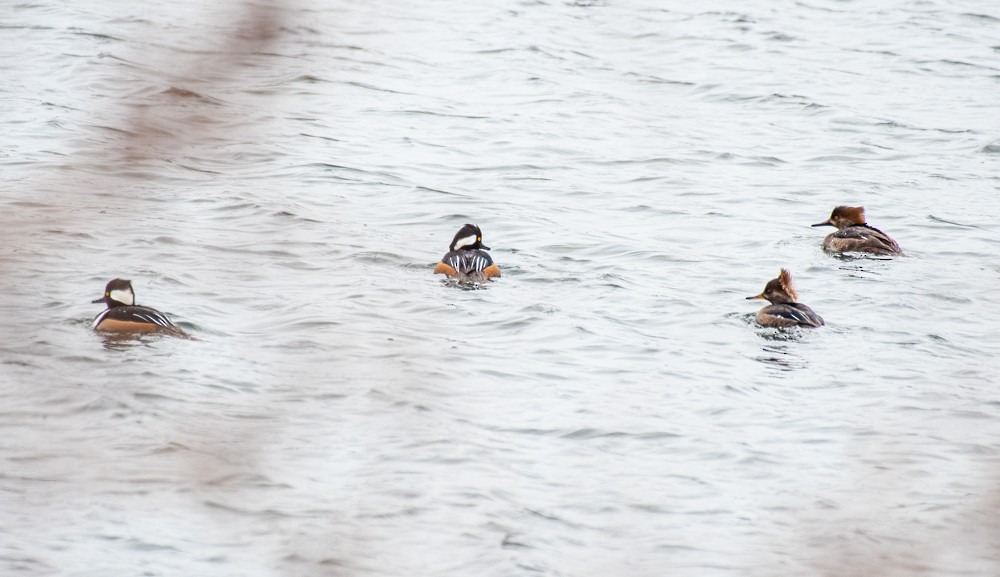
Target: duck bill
100,300
484,247
824,223
759,297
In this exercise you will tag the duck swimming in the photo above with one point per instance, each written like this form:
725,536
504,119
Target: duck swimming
854,235
784,311
124,316
467,260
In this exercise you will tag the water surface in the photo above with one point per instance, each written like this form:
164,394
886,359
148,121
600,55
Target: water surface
281,180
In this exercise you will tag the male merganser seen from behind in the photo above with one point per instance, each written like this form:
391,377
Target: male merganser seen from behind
467,260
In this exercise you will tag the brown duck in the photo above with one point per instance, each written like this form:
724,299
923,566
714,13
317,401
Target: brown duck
784,311
854,235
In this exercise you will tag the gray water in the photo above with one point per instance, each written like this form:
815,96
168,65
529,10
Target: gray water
282,179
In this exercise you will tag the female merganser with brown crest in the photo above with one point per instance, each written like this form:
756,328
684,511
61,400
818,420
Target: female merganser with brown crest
467,260
854,235
124,316
783,310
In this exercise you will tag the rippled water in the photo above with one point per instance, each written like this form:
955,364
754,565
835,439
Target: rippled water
282,179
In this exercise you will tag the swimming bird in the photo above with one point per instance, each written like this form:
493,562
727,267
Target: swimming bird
467,259
124,316
784,311
854,235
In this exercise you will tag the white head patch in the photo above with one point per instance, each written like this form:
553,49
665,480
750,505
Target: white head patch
124,296
465,241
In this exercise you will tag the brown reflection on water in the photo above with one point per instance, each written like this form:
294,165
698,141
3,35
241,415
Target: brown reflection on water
148,124
161,125
871,544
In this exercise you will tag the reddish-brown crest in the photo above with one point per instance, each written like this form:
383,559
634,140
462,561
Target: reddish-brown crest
785,279
853,214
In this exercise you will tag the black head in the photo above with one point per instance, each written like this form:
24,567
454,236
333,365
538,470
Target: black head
469,237
118,293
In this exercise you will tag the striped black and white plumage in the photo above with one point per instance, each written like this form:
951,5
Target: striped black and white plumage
135,314
124,316
467,259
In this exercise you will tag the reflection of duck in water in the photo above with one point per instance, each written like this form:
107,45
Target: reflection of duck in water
124,316
783,310
854,235
467,259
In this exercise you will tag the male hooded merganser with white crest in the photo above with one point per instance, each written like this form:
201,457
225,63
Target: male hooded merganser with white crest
124,316
854,235
783,310
467,259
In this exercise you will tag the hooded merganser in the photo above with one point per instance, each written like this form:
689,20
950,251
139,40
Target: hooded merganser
124,316
854,235
467,259
783,310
